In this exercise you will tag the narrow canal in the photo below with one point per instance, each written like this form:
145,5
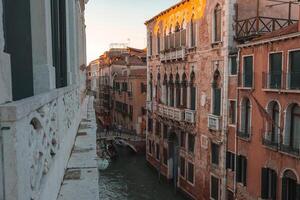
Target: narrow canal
129,178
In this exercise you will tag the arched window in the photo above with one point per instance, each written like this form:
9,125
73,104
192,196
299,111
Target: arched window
183,34
158,88
290,188
184,90
172,38
292,130
273,127
150,43
178,90
171,90
166,40
158,42
217,23
177,35
245,118
216,93
151,87
193,32
165,90
192,92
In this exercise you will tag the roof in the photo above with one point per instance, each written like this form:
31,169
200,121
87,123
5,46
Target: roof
284,31
165,11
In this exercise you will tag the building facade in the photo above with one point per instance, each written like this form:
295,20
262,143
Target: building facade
266,139
42,85
121,99
191,54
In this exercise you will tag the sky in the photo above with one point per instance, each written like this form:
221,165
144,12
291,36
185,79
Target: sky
119,21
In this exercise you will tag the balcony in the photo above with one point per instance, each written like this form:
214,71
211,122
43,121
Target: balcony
247,29
281,81
173,54
214,122
170,112
190,116
289,149
268,141
37,134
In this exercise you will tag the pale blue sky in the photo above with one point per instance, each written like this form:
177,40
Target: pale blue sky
116,21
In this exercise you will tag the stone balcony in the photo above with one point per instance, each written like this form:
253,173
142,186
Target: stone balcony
37,135
214,122
190,116
171,112
176,54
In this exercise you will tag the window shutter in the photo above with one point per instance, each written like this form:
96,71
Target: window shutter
274,184
238,169
228,159
244,171
217,101
264,183
193,98
298,192
284,188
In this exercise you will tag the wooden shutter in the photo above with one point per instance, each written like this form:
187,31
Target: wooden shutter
228,159
244,171
298,192
238,169
248,71
193,98
217,101
274,184
264,183
284,189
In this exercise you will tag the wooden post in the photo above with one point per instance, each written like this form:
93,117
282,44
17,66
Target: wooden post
290,10
257,16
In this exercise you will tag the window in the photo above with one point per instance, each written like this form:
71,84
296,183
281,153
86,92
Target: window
241,170
150,146
268,184
190,172
178,91
248,71
183,34
294,74
191,143
292,131
232,112
214,188
215,149
182,166
143,88
157,128
184,90
193,91
193,32
150,124
216,94
171,90
290,189
165,131
157,152
273,132
151,87
150,43
245,117
275,66
165,153
217,23
233,65
158,42
230,161
182,139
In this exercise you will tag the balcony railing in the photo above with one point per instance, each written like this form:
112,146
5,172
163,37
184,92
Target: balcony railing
281,81
214,122
256,26
245,133
268,140
289,149
37,134
170,112
190,116
173,54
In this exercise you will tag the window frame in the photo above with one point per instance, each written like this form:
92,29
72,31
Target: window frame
212,176
288,85
282,68
243,71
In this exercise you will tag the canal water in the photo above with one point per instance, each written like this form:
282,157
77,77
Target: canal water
129,178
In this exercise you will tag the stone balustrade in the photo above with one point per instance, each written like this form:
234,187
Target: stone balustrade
190,116
36,138
176,54
171,112
214,122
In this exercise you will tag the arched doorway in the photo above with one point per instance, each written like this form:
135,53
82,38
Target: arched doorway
173,145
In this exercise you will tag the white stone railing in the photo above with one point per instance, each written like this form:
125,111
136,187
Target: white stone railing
170,112
173,54
37,135
214,122
190,116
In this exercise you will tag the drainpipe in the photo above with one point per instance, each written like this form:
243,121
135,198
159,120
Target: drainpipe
237,122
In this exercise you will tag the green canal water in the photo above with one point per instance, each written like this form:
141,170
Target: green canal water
129,178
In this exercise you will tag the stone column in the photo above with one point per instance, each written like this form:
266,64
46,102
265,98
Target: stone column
43,70
188,96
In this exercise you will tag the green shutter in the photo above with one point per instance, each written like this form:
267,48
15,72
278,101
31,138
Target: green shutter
284,188
274,184
264,183
248,71
217,101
